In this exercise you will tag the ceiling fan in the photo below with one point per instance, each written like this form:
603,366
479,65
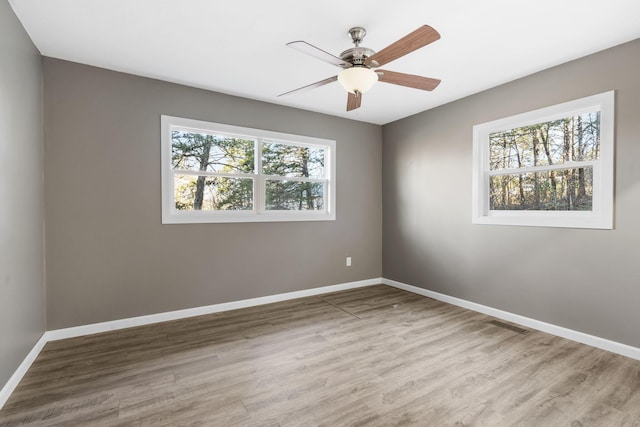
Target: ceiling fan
358,63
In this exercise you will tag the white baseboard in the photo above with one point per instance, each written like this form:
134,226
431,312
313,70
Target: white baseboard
113,325
22,369
581,337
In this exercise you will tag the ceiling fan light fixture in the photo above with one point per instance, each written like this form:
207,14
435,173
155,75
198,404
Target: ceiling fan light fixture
357,79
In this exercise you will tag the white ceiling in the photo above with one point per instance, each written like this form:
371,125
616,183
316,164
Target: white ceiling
238,47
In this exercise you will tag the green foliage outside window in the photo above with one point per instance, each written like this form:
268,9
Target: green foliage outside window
212,153
229,173
567,141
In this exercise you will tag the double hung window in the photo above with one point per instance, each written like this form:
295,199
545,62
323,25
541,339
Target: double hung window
219,173
549,167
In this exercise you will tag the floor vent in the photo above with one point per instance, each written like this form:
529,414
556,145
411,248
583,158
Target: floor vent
508,326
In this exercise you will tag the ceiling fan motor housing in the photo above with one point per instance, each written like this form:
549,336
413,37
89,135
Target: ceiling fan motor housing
357,55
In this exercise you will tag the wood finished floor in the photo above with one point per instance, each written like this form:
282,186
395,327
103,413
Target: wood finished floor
374,356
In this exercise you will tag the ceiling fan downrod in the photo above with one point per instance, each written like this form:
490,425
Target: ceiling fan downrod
357,55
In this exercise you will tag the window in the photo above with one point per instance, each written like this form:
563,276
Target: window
550,167
219,173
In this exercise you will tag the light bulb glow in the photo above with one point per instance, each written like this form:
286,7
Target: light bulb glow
359,79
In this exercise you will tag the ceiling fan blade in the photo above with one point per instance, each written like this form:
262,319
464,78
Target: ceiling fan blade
316,52
409,80
311,86
354,100
412,41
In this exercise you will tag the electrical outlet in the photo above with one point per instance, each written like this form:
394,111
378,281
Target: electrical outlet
348,261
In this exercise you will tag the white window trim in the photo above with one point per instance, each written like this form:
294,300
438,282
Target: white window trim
601,215
170,215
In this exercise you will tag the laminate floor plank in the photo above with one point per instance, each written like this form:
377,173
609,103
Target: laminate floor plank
373,356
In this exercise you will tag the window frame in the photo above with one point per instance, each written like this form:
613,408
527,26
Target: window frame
171,215
601,215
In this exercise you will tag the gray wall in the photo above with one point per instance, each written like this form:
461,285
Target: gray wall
109,256
22,319
587,280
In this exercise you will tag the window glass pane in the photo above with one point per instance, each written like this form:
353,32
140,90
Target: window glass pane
293,160
572,139
294,195
561,190
211,193
213,153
